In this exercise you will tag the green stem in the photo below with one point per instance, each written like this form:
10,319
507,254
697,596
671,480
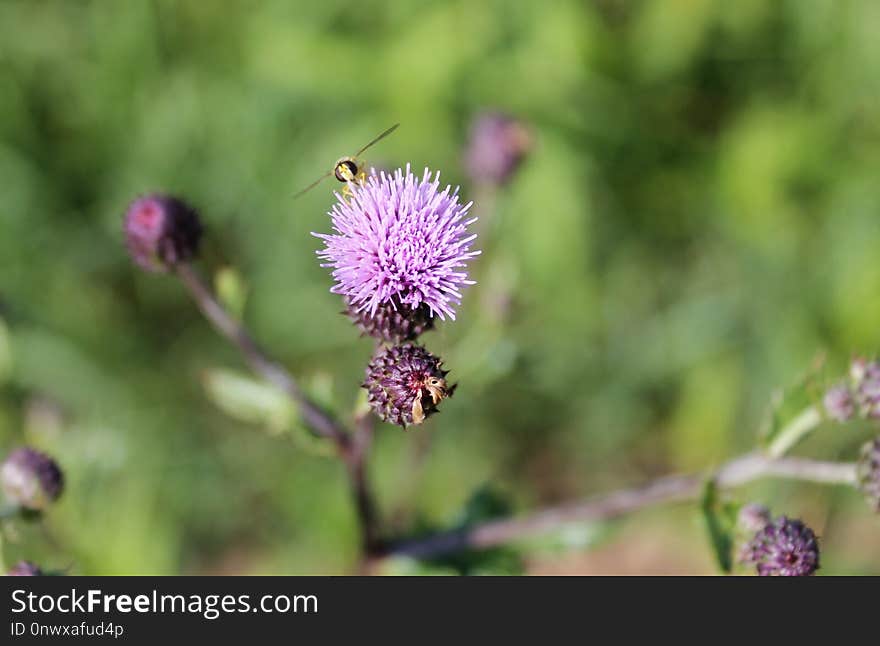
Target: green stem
795,431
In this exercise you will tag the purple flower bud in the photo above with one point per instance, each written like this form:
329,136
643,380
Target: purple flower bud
392,322
753,517
497,146
24,568
31,479
868,473
783,547
839,403
161,231
405,384
866,383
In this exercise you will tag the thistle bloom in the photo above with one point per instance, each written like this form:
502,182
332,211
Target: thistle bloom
400,242
497,146
405,383
161,231
31,479
783,547
868,473
24,568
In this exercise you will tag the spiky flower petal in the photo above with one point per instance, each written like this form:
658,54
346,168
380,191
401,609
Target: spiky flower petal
30,479
405,383
784,547
400,240
161,231
868,473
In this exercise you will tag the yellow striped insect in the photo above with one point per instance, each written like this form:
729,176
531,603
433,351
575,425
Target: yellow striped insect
349,168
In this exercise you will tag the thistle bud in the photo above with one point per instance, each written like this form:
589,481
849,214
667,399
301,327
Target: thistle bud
392,322
839,403
497,146
30,479
783,547
753,517
868,473
24,568
866,384
405,384
161,231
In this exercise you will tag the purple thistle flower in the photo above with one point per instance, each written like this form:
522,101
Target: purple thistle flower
400,241
161,231
497,145
405,383
31,479
839,403
24,568
783,547
868,473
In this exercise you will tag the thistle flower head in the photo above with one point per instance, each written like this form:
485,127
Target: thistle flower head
31,479
498,144
783,547
24,568
839,403
857,396
868,473
161,231
391,322
865,377
405,384
402,242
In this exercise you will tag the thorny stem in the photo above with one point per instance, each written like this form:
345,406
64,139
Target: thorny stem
352,448
737,472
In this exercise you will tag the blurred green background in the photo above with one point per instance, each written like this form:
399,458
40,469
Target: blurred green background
698,220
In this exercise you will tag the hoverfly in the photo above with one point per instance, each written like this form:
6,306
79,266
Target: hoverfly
436,388
349,168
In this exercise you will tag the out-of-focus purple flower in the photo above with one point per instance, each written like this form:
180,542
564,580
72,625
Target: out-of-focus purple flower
839,403
784,547
868,473
498,144
753,517
405,383
31,479
400,241
391,322
24,568
865,377
161,231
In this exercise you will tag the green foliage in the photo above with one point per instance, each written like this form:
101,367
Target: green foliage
720,520
698,218
249,400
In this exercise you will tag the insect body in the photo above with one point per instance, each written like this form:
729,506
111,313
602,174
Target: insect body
433,387
350,168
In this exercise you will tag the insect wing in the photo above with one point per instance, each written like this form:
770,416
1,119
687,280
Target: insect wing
313,184
378,139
